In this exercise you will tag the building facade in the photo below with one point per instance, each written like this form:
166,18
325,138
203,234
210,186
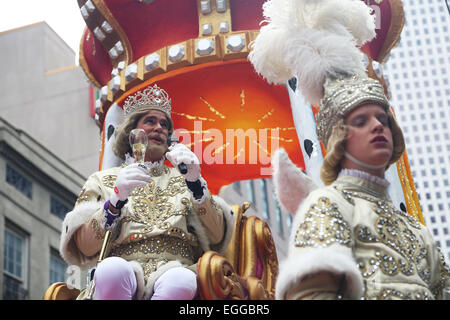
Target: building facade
45,94
36,190
50,145
418,71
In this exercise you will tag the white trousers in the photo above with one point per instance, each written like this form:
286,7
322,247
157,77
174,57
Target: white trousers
115,280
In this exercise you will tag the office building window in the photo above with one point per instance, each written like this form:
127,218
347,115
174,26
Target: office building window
264,199
15,264
289,221
18,181
58,208
278,214
251,193
237,187
57,267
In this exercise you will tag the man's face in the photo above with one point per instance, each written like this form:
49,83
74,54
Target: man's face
370,138
156,125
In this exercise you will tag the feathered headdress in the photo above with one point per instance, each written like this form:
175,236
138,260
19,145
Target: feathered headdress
317,42
312,40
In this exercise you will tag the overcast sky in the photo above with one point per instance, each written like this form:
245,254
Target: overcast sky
63,16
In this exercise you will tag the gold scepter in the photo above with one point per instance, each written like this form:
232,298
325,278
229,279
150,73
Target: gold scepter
138,141
103,253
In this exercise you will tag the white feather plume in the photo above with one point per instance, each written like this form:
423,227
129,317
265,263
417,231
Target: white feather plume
312,39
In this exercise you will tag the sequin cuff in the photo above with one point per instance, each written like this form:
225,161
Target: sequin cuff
109,219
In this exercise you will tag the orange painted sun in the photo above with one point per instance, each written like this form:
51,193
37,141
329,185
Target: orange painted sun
231,119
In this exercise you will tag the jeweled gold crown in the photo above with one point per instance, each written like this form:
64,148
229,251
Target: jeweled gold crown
343,95
151,97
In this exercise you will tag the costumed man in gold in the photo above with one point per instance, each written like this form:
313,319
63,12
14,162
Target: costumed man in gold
348,239
162,220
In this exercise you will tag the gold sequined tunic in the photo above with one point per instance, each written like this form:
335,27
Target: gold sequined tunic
351,228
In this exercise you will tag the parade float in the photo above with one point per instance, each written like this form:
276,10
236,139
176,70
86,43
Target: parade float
228,115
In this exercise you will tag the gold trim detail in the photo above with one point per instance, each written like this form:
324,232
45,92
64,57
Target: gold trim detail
409,189
62,69
156,245
249,267
395,29
247,270
109,180
159,62
394,294
60,291
323,226
84,65
151,205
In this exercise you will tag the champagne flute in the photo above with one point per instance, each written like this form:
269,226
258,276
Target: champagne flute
138,143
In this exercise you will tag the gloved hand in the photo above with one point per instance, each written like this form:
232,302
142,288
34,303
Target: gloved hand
133,176
179,153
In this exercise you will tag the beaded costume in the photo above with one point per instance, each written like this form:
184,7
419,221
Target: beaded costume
160,227
351,228
348,239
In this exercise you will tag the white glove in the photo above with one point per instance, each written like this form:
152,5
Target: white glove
179,153
133,176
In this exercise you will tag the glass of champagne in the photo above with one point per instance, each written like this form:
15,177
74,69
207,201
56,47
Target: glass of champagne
138,143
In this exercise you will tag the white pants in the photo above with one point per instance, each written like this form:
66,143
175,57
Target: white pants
115,280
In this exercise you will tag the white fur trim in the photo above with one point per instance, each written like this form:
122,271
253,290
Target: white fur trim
292,186
139,274
194,222
229,218
74,220
335,259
